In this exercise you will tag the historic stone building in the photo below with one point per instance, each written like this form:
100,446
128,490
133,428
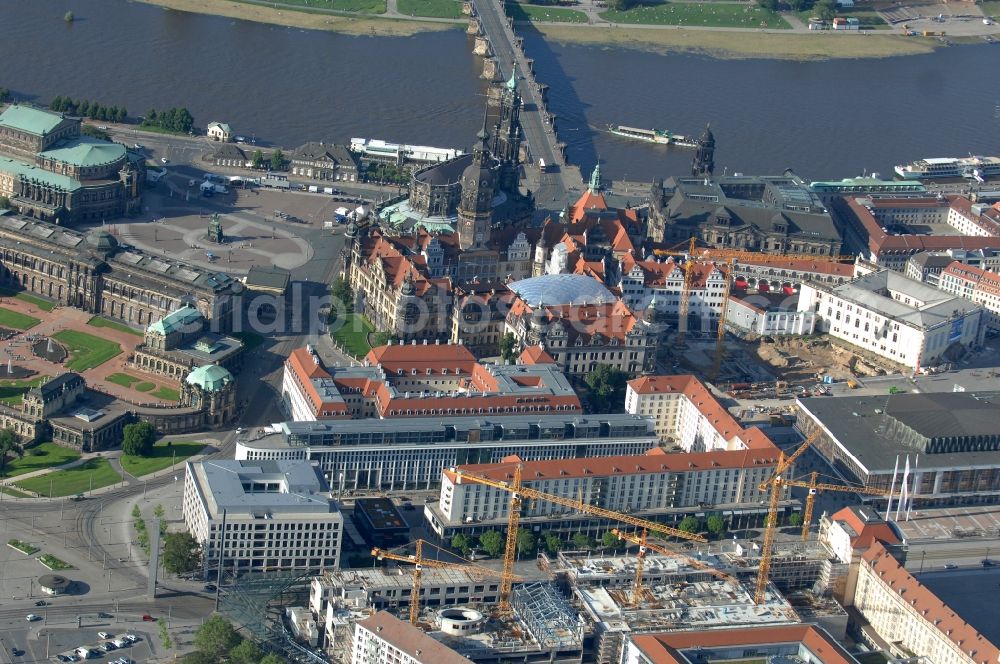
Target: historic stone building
754,213
175,344
703,164
212,390
508,135
94,273
49,171
319,161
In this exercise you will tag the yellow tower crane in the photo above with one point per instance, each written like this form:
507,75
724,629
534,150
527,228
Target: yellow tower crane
720,332
419,562
815,487
776,485
645,545
518,492
682,312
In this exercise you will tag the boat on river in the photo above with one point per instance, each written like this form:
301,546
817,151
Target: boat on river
659,136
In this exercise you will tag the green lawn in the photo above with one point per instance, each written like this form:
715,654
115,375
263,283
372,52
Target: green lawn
17,320
51,455
869,18
250,340
709,14
353,334
430,8
44,305
167,393
145,387
97,321
522,12
10,491
124,380
93,474
12,391
360,6
163,457
86,350
991,8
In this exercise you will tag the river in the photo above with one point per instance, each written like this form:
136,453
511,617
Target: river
824,119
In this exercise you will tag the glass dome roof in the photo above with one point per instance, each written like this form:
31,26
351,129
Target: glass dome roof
555,289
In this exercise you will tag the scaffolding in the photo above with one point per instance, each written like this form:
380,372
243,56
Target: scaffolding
256,602
549,618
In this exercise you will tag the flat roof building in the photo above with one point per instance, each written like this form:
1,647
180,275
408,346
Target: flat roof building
889,315
954,434
276,515
374,453
379,522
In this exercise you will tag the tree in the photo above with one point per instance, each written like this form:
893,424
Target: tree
716,524
341,291
582,541
4,95
607,388
492,542
139,439
9,444
461,542
122,114
526,542
82,108
508,345
795,519
277,160
4,202
826,9
56,104
257,160
689,524
216,637
552,543
181,553
247,652
610,540
272,659
198,657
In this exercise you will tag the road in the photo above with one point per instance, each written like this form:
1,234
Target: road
552,187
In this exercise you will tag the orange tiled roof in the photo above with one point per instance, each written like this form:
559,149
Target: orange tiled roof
422,357
535,355
306,370
973,644
867,532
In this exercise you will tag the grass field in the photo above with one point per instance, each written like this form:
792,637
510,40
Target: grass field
709,14
93,474
522,12
430,8
167,393
145,387
360,6
44,305
353,334
97,321
991,8
11,491
163,457
12,391
17,320
51,455
86,350
869,19
124,380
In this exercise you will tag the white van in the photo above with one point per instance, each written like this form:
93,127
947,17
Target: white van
82,652
120,643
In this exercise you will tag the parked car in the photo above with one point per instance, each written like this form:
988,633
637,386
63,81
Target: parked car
131,638
210,587
41,602
103,635
148,618
105,615
108,646
32,617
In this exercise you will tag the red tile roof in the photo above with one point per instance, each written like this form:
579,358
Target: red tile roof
927,604
535,355
866,532
665,648
707,405
411,357
305,370
653,461
411,640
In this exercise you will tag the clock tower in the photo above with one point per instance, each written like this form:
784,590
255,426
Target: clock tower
475,209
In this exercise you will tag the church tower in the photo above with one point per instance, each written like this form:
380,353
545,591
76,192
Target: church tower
476,207
508,134
704,157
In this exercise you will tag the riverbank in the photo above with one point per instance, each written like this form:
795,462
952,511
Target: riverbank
736,43
351,25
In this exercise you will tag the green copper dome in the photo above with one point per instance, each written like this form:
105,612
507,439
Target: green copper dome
209,377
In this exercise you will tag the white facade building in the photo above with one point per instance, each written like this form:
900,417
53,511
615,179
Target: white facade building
385,639
894,317
975,284
277,515
765,314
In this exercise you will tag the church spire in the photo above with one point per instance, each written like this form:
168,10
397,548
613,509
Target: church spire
595,179
512,82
